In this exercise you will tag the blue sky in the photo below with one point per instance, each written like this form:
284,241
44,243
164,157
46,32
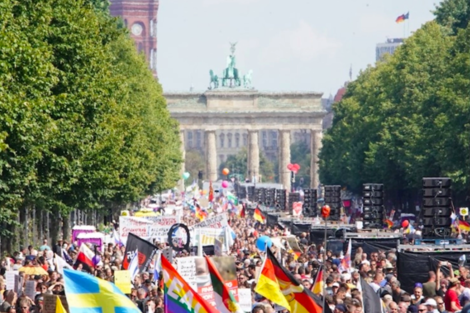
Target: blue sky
293,45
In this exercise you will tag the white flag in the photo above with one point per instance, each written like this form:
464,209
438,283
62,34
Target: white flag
134,265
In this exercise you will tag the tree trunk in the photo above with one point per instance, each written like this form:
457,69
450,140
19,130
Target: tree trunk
66,227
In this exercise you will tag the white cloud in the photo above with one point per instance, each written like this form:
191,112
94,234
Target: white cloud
303,43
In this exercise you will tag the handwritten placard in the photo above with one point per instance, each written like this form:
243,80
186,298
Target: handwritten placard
30,289
11,279
187,269
244,296
122,280
50,302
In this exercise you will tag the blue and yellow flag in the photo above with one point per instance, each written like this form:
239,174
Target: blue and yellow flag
86,293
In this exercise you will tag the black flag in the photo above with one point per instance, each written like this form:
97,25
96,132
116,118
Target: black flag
145,249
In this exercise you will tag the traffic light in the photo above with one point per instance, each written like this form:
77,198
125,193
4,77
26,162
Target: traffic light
309,207
437,207
373,200
281,199
333,200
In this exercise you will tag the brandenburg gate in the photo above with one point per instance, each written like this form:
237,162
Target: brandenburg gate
234,104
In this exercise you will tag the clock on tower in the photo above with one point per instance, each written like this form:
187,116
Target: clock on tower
140,17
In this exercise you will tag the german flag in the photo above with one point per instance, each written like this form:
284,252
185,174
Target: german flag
317,287
268,286
258,216
403,17
300,299
464,226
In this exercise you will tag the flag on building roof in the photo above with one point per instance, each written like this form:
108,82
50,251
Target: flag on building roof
179,296
85,258
86,293
224,300
403,17
299,298
258,216
464,226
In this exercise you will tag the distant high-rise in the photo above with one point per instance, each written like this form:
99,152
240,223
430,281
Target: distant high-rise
140,17
387,47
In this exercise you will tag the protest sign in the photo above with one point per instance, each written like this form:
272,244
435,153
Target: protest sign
11,280
30,289
245,299
148,228
122,280
217,247
50,303
216,221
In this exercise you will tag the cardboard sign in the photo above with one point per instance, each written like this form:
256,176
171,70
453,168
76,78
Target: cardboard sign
50,302
30,289
217,247
245,299
12,281
122,280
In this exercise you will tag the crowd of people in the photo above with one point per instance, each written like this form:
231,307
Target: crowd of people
445,290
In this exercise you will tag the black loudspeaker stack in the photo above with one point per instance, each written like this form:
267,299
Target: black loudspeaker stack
251,193
333,200
293,197
309,207
437,207
270,197
281,199
373,200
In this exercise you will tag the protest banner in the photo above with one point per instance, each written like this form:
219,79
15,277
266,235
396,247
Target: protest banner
148,228
216,221
122,280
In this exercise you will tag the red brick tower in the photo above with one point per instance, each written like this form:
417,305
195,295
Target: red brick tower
140,17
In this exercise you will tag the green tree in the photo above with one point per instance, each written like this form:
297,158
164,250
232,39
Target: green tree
194,162
238,164
300,154
454,14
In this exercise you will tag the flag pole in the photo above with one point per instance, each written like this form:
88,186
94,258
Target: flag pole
324,264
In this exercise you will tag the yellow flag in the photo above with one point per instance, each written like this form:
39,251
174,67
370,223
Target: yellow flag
59,308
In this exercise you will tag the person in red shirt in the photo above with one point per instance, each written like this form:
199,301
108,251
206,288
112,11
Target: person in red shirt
451,299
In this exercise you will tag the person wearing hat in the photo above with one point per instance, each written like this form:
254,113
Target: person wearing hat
451,299
431,305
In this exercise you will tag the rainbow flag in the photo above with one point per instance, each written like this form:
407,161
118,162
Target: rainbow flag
464,226
179,296
224,299
258,216
403,17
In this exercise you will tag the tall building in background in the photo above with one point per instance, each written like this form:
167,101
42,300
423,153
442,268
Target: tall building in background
140,17
387,47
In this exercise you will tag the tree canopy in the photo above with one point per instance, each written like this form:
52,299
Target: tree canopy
83,121
405,118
